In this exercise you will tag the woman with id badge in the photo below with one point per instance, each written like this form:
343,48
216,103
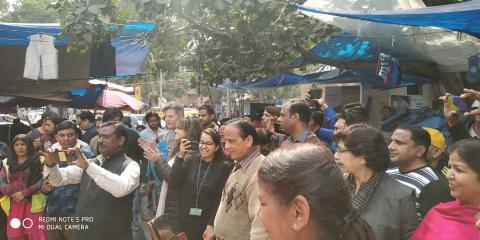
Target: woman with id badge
201,179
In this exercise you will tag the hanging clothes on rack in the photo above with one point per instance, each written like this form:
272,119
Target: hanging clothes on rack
102,60
41,60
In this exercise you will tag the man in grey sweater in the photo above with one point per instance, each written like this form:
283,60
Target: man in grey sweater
236,217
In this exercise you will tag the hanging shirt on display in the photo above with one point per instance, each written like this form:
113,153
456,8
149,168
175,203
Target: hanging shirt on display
102,60
41,59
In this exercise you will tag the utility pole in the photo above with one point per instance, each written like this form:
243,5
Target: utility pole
160,102
229,103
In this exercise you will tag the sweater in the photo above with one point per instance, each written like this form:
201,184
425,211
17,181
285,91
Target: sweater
236,217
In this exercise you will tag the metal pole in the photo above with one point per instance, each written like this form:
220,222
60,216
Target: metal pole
228,103
160,104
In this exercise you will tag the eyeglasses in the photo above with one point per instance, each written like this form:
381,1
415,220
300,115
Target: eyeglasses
341,150
208,144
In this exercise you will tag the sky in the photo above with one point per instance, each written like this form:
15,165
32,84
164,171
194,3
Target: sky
11,2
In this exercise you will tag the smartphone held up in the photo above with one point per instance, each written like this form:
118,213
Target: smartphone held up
191,145
315,93
458,104
63,156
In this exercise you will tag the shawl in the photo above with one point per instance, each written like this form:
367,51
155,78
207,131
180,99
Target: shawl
449,220
32,163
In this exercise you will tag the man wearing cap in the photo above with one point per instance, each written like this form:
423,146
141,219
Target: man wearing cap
436,152
436,160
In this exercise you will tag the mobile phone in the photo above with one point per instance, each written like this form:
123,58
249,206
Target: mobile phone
63,156
193,145
315,93
457,104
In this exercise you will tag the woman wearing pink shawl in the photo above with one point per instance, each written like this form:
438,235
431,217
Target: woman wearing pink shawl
457,219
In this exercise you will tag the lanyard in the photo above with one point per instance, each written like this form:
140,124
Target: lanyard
198,183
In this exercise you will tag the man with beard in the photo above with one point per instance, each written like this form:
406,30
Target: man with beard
206,115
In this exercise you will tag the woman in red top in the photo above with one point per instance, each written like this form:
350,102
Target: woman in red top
20,178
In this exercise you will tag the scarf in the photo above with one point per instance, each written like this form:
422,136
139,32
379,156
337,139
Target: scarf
366,189
449,220
32,163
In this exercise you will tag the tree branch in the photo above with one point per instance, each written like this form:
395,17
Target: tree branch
205,28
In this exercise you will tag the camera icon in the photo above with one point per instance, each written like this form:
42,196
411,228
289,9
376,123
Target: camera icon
26,223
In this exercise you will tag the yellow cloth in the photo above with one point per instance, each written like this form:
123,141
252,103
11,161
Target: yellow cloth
5,203
437,138
39,201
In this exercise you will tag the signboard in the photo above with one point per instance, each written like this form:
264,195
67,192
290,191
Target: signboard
416,102
138,94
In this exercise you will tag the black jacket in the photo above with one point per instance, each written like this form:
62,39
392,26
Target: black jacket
185,177
389,209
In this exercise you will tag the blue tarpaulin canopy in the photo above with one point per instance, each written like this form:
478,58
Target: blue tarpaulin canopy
346,48
130,54
327,77
18,34
462,17
341,48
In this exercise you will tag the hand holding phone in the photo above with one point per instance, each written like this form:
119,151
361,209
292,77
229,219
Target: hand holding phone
314,93
193,145
184,147
63,156
457,104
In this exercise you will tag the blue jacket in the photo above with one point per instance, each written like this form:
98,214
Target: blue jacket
326,134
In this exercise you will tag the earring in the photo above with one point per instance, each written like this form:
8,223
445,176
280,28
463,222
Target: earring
295,228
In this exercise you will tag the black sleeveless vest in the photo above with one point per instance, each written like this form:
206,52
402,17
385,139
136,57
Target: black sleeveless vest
106,216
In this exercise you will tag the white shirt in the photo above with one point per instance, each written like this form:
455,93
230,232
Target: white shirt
472,132
163,192
79,144
118,185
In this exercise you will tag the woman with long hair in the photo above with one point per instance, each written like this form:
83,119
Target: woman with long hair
303,196
21,182
200,178
457,219
187,132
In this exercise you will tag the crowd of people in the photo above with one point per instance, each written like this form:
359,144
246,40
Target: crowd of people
305,173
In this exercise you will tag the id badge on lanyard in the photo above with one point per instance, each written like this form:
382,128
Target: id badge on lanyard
195,212
198,211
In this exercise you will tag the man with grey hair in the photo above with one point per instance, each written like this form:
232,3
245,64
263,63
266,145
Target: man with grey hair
173,113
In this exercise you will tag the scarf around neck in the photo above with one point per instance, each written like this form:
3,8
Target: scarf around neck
32,163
